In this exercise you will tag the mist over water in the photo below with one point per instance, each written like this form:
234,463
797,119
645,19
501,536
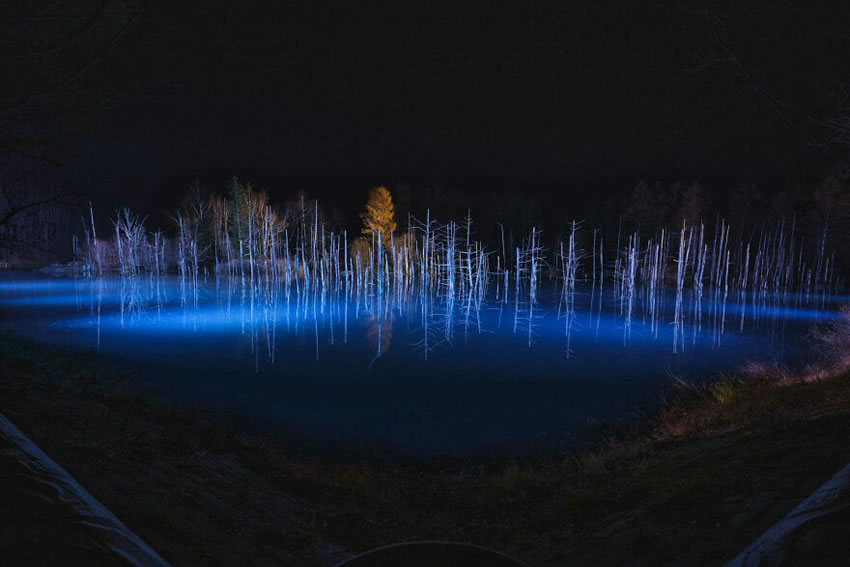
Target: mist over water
421,372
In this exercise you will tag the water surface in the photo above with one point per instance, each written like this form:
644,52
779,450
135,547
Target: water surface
418,372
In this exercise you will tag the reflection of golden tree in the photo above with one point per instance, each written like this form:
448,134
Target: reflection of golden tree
379,215
379,329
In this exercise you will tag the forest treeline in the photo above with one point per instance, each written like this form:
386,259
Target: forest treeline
41,222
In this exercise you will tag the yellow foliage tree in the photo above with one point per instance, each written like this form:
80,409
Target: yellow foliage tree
379,215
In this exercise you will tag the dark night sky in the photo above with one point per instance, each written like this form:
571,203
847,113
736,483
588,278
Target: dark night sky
562,100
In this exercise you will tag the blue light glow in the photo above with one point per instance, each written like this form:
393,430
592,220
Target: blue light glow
421,372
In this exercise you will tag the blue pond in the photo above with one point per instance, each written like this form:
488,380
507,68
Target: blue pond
419,374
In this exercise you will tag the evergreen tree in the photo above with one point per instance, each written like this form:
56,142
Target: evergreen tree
691,206
238,211
649,207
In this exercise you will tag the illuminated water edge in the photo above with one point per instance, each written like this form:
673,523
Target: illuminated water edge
419,371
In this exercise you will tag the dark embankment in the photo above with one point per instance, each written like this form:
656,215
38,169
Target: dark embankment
718,466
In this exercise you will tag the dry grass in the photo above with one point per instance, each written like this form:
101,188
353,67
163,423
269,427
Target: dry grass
670,490
762,390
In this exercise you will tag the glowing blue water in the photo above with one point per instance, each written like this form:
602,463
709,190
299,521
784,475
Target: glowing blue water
421,373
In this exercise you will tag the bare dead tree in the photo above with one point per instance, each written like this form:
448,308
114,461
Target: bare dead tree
33,203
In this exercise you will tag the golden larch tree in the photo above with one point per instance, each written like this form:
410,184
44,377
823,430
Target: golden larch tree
379,215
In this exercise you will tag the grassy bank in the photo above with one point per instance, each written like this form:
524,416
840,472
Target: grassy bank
710,473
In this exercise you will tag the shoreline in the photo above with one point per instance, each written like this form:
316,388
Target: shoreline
563,432
186,483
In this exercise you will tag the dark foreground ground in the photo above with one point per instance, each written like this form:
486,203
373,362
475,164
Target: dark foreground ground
696,485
